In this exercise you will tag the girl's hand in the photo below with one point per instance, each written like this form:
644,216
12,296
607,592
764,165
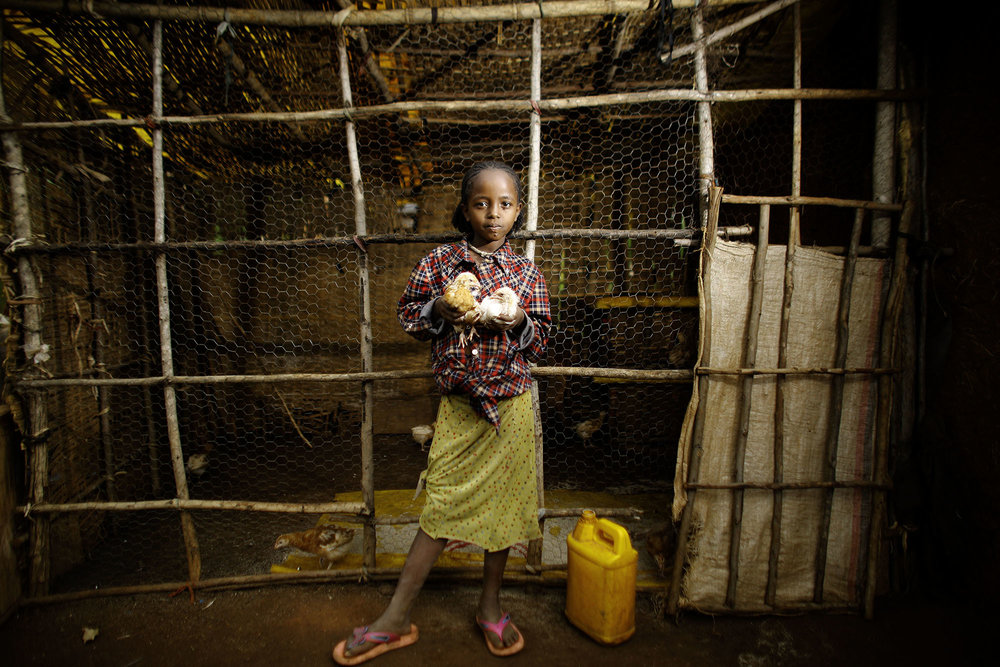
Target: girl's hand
450,315
502,324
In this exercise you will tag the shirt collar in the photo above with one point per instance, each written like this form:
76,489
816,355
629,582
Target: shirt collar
499,257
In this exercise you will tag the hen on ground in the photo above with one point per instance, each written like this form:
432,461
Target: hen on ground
330,543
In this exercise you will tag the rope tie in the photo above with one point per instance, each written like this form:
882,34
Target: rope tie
341,16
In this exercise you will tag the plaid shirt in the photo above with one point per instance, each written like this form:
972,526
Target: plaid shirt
495,365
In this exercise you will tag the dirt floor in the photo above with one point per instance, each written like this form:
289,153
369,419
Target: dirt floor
297,625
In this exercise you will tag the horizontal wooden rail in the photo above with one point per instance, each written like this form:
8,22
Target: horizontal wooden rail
292,18
510,107
810,201
361,242
663,375
784,486
357,509
703,370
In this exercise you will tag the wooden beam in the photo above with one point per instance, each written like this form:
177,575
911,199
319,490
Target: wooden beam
352,17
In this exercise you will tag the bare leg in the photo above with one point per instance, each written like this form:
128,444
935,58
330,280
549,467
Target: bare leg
396,617
489,602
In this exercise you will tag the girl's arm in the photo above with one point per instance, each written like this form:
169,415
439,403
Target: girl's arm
538,317
417,304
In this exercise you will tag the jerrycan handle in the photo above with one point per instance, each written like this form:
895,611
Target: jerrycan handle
614,536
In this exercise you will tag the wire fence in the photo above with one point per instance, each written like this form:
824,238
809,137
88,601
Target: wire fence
235,337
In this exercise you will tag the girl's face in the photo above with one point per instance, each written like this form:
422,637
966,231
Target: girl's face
491,208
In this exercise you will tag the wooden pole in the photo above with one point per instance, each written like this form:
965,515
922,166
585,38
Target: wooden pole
706,141
354,17
473,105
334,242
534,555
346,508
97,346
163,299
746,400
36,413
364,299
10,577
779,390
888,352
701,386
811,201
731,29
884,151
795,211
711,200
836,406
667,375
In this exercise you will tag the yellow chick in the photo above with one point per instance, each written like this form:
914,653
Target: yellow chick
461,294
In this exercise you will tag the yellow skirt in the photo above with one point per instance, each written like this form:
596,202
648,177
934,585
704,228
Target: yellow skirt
480,484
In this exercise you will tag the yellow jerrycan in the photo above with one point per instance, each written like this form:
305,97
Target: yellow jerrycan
600,580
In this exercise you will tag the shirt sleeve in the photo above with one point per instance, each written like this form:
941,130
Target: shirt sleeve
535,338
415,308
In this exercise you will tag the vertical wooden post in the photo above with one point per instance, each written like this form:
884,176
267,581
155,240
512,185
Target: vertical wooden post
711,200
144,318
706,140
836,401
364,292
709,239
888,357
884,156
794,212
534,556
97,348
746,399
163,300
794,237
36,416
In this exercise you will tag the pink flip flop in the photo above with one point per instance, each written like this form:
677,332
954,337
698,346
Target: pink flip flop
497,629
384,642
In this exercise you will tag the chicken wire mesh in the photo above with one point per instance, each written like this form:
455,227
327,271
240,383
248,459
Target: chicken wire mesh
262,276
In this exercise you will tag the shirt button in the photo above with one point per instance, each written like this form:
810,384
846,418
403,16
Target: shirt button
475,352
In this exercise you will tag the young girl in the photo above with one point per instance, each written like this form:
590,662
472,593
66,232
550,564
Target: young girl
480,477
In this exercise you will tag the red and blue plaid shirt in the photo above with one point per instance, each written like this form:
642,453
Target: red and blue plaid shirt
495,365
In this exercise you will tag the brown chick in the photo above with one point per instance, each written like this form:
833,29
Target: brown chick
660,543
461,294
587,428
328,542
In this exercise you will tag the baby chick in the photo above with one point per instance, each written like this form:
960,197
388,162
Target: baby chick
328,542
422,434
462,294
197,464
660,543
501,304
587,428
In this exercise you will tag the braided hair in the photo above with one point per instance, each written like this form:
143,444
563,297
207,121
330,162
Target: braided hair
458,220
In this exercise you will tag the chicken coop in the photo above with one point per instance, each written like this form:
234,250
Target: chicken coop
210,213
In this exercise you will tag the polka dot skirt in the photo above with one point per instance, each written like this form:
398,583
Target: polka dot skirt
480,485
